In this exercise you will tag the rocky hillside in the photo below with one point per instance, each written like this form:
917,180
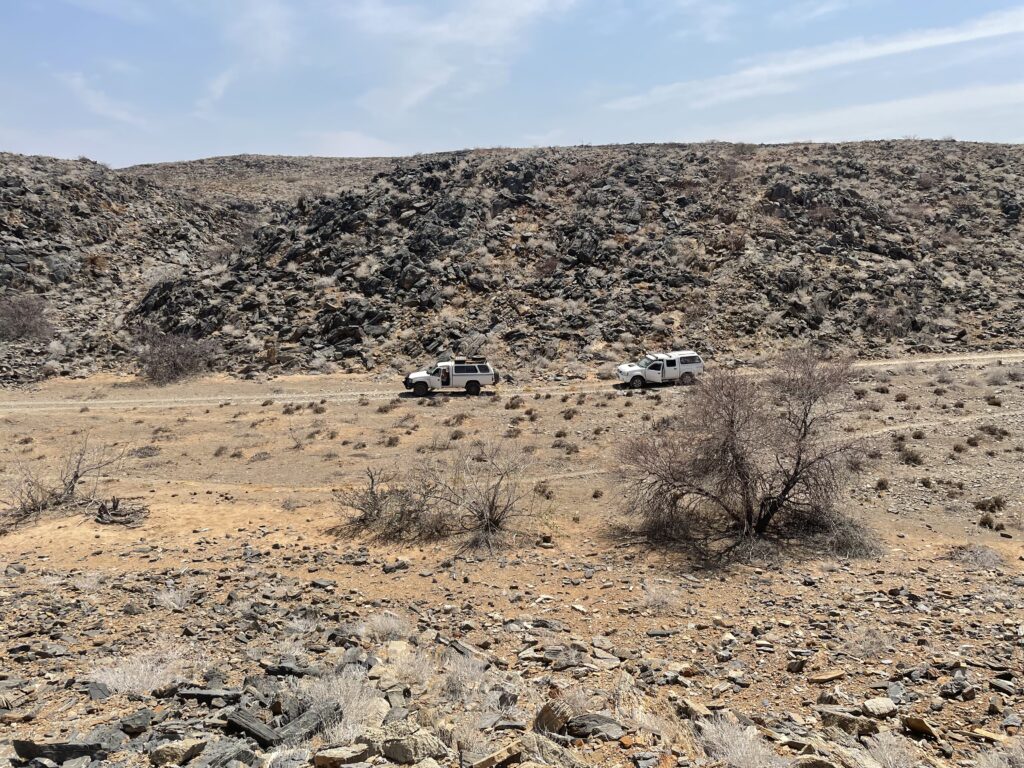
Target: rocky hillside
587,254
266,182
548,257
93,241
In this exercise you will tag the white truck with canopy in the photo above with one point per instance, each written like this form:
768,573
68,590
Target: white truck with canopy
680,366
469,373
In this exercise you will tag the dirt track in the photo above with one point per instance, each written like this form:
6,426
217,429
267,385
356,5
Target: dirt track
342,389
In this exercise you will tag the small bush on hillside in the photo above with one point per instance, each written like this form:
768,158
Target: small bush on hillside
866,643
22,318
168,357
174,599
347,703
385,626
991,504
911,456
892,751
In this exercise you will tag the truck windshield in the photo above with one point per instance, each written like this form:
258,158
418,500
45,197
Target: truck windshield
432,371
645,361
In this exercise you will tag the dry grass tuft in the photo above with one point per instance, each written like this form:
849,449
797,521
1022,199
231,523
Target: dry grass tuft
892,751
462,676
385,626
976,556
174,599
144,672
347,702
736,746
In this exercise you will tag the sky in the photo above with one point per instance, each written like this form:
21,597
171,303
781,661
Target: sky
134,81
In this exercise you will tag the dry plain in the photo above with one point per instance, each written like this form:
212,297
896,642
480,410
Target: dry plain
243,570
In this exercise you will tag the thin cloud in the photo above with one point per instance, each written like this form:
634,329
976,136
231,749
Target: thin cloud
776,73
262,31
953,112
709,18
135,11
214,92
463,49
808,11
260,35
98,102
352,144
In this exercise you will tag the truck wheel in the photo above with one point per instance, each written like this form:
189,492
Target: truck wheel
688,378
420,389
637,382
473,388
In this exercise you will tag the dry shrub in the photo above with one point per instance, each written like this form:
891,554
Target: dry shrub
168,357
976,556
892,751
385,626
174,599
393,507
844,537
69,485
867,643
659,599
733,241
462,675
477,495
736,746
346,702
991,504
413,667
22,318
145,671
745,456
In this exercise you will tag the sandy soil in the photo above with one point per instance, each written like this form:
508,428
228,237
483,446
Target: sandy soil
224,463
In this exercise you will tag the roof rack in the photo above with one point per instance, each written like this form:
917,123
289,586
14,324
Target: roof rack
476,359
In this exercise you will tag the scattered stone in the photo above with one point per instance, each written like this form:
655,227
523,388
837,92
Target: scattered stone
58,752
826,677
342,756
595,726
243,721
176,752
919,726
880,707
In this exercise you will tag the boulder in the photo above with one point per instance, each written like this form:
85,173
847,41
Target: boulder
403,742
595,726
335,757
879,707
176,752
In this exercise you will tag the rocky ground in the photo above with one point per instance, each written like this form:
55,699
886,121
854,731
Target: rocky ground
271,183
549,260
242,623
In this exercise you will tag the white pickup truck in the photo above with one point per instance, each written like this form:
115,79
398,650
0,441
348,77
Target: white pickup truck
662,368
470,374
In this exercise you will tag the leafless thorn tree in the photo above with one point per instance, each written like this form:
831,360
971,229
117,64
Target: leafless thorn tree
746,452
